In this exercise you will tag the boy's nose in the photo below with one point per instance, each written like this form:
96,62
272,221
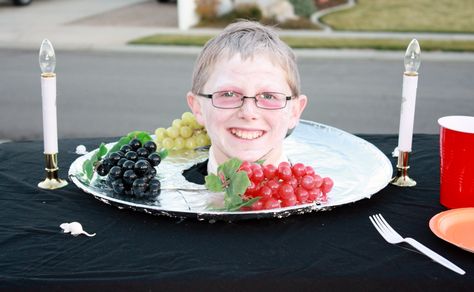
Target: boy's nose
249,108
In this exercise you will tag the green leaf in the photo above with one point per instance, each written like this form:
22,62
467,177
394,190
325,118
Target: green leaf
122,141
88,168
143,136
213,183
230,202
229,167
238,183
102,151
133,134
163,153
234,185
244,204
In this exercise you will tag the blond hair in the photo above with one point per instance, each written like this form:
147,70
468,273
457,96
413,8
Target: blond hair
246,38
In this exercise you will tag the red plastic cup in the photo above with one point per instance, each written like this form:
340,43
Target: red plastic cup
456,142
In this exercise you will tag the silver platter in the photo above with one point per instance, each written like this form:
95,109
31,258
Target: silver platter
357,167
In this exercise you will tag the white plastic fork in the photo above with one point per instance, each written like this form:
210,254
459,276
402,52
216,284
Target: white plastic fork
393,237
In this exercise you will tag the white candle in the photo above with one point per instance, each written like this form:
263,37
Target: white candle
47,60
410,83
50,128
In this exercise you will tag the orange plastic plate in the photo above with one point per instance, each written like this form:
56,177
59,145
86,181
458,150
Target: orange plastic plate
455,226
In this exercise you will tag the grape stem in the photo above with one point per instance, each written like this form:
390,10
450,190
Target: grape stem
182,189
225,182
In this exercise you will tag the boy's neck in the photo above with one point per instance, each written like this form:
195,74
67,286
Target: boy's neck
212,164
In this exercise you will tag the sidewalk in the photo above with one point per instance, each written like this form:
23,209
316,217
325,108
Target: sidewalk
75,24
108,25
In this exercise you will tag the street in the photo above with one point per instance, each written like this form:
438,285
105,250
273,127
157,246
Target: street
112,93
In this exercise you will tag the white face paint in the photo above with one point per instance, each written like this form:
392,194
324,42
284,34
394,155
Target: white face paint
248,133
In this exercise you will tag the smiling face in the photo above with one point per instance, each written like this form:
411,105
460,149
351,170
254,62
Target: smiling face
248,133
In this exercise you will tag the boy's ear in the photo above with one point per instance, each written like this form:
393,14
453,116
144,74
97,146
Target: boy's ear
195,106
297,109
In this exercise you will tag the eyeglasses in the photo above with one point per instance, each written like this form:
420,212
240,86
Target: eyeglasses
231,99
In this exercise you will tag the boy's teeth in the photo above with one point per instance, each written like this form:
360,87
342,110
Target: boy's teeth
246,134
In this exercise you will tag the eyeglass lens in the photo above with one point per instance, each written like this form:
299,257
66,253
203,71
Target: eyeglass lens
268,100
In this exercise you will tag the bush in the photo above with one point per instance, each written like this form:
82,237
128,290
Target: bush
207,9
303,7
244,11
299,23
208,12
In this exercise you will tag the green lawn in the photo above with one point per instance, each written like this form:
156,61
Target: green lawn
448,16
312,43
406,15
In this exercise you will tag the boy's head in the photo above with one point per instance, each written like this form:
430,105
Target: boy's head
246,93
248,39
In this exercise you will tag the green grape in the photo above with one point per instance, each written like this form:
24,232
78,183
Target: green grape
185,132
160,134
208,140
167,143
179,143
195,125
176,123
191,143
201,140
187,118
172,132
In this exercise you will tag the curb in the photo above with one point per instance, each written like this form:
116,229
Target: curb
300,53
315,18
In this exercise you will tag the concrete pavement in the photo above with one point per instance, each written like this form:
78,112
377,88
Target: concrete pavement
108,25
73,24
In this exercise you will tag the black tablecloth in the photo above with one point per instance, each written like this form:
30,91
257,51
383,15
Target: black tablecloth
329,250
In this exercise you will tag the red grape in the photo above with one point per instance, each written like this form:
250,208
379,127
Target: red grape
257,175
298,170
251,189
308,182
314,194
318,181
265,192
271,203
285,191
293,181
290,201
273,185
255,166
247,169
309,170
284,186
258,205
327,185
284,163
302,194
284,173
245,164
269,171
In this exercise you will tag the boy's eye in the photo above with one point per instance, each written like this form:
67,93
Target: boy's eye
267,96
227,94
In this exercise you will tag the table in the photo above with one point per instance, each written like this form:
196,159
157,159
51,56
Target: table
330,250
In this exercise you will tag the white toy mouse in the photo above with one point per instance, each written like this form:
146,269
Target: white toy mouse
81,150
75,228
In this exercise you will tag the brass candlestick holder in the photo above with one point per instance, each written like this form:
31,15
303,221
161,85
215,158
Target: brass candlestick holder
402,179
52,180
